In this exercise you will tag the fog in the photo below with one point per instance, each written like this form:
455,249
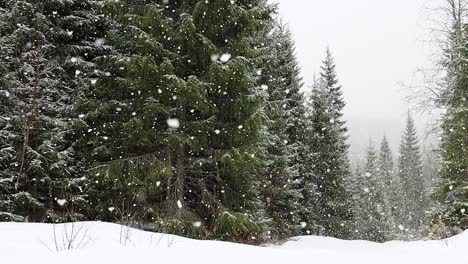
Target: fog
377,45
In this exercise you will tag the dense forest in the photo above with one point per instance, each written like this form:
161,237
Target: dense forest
190,117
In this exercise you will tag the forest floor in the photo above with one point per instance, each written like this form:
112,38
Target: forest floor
97,242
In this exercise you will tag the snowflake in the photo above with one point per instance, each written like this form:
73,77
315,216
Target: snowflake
99,41
173,123
61,202
225,57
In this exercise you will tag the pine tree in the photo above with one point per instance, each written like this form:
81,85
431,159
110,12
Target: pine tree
412,210
46,47
285,110
329,165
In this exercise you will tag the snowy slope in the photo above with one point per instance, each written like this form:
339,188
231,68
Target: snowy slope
103,243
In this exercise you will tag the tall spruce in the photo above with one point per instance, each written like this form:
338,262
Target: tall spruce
451,189
329,165
370,215
172,119
412,210
285,110
46,49
388,184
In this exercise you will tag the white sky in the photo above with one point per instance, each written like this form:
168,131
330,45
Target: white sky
377,45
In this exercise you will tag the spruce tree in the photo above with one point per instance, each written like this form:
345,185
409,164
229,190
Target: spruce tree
370,216
172,119
285,111
451,189
329,165
388,183
412,210
46,48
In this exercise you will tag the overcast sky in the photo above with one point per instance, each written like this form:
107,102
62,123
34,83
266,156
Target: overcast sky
377,45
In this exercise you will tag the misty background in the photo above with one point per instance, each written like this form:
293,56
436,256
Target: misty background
378,51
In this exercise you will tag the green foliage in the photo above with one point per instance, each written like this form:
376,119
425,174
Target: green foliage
371,217
236,227
185,225
285,114
327,164
165,68
451,189
411,212
47,46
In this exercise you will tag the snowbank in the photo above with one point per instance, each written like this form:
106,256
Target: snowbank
98,242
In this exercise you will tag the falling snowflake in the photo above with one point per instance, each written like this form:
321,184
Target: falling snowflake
173,123
179,204
61,202
225,57
303,224
214,57
111,209
197,224
217,131
401,227
7,94
99,41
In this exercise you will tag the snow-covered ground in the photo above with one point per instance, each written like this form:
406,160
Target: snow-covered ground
109,243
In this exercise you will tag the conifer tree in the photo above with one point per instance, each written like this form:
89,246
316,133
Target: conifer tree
285,111
451,189
388,182
329,165
370,219
172,118
46,48
411,179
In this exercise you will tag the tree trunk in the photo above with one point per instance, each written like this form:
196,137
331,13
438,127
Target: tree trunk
180,180
29,123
